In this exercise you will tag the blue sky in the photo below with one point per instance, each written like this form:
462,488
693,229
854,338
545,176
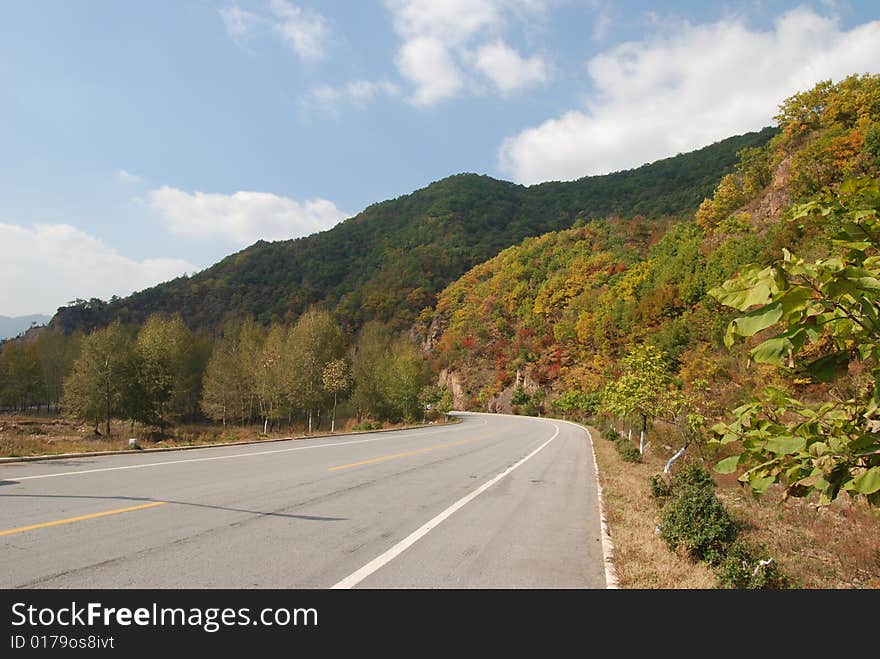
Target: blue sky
141,140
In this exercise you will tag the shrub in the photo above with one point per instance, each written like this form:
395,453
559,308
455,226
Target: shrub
694,518
628,452
367,425
660,488
610,434
743,568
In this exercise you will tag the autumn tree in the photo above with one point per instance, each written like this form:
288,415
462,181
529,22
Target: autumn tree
229,386
643,391
336,378
164,350
314,341
269,375
96,386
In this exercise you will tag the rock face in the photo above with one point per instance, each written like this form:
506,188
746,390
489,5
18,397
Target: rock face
453,382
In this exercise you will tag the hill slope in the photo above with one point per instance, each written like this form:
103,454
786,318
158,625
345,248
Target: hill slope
557,312
389,261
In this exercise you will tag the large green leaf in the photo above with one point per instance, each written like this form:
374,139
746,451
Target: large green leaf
869,482
727,465
753,286
772,351
755,321
784,445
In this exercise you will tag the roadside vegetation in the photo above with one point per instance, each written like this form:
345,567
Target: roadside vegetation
164,383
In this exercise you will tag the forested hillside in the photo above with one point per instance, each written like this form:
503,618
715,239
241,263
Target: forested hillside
388,262
786,247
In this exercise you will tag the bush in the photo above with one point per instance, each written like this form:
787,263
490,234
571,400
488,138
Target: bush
660,488
610,434
743,568
628,452
694,518
367,425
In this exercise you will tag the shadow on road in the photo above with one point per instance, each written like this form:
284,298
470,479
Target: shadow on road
260,513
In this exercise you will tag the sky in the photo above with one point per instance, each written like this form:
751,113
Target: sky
140,141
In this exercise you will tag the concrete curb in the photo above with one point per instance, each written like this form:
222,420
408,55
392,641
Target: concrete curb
161,449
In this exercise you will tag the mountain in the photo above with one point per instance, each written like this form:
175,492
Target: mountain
15,325
390,261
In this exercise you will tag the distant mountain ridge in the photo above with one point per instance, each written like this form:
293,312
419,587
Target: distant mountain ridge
391,260
12,326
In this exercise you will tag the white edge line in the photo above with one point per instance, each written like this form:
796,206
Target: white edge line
356,577
611,581
385,436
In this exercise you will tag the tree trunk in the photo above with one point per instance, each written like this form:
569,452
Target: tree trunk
310,420
642,435
333,418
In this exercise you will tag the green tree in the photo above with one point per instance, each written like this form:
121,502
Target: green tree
164,349
407,374
643,391
228,389
827,315
369,363
96,386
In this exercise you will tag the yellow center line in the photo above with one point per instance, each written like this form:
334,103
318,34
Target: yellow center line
401,455
81,518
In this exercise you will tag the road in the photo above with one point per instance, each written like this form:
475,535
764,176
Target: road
492,502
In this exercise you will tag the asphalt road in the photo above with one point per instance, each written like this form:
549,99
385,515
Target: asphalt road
493,502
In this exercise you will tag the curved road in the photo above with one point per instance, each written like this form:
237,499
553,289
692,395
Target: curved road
493,502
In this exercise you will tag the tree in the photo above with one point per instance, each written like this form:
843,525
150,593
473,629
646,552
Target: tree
228,389
164,349
369,363
313,343
336,378
828,317
407,375
56,353
96,386
643,390
219,390
269,375
24,382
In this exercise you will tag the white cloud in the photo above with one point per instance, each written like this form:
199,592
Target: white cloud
238,22
356,92
689,88
427,63
507,69
440,38
48,265
127,177
304,30
244,217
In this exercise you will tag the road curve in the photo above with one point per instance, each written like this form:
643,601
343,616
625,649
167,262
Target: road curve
493,502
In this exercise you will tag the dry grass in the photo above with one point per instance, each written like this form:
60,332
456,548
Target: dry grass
640,556
832,547
31,435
